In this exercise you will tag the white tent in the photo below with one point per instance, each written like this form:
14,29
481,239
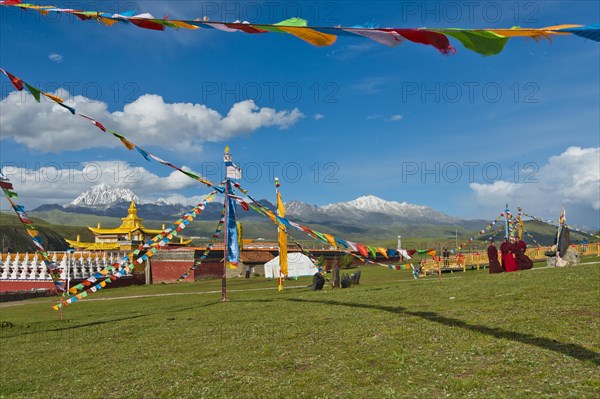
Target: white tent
298,265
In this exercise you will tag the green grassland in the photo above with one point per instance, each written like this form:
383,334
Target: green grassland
531,334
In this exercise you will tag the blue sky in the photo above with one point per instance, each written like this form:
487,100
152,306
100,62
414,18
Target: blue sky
463,134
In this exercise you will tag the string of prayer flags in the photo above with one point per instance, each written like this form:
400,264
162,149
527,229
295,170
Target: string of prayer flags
34,234
209,247
140,254
363,250
20,84
479,234
311,256
532,238
127,263
482,41
553,223
591,32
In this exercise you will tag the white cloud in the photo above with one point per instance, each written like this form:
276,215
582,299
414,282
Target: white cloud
371,85
147,121
571,179
55,57
391,118
351,51
319,116
60,183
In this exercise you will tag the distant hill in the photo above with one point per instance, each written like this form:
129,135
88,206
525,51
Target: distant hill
367,219
14,237
413,235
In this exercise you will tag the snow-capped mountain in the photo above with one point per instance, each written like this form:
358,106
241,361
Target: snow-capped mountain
368,207
102,195
363,211
300,208
163,202
371,203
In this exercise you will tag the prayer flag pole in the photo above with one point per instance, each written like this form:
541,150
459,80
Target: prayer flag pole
226,159
282,238
224,275
280,279
231,249
69,252
506,234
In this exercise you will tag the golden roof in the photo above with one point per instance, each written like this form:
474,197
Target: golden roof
123,230
98,246
131,223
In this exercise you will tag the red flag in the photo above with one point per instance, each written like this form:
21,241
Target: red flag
362,250
245,28
147,24
6,185
18,83
421,36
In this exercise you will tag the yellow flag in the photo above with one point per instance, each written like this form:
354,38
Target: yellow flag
230,265
311,36
271,215
53,97
520,228
181,24
240,231
282,238
533,33
331,240
108,22
382,251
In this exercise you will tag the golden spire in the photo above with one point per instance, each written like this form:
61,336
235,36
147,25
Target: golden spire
132,220
132,209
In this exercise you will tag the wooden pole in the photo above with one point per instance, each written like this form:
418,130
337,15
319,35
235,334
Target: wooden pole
280,279
225,239
147,272
60,310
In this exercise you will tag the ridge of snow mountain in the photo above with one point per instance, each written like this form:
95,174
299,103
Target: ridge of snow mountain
164,202
300,208
102,195
371,203
103,199
365,207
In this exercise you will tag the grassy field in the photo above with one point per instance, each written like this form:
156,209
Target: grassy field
531,334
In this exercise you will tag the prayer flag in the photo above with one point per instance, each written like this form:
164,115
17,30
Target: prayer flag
282,237
233,250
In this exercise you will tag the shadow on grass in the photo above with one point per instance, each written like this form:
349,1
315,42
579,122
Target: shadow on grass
573,350
34,330
175,309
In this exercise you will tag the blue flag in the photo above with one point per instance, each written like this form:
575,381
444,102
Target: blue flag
233,249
